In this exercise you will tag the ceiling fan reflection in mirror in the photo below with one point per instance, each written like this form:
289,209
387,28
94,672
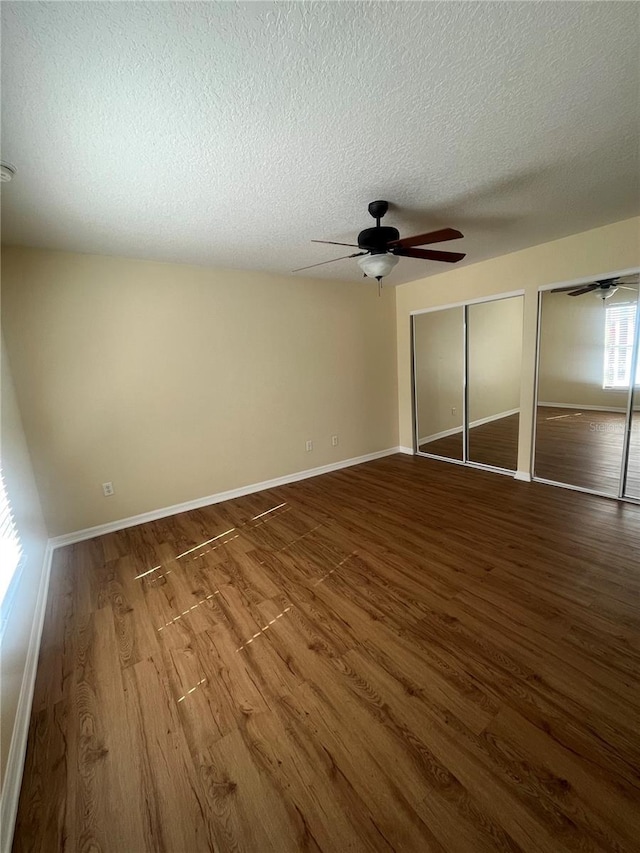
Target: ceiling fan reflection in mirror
382,246
603,288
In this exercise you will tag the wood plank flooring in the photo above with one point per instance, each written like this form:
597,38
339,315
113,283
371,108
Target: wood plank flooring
401,656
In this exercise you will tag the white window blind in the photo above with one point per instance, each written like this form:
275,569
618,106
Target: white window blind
620,323
10,547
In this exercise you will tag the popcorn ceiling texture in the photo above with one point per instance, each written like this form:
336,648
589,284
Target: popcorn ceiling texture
231,134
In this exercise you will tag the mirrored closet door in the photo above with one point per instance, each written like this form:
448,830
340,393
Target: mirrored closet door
587,415
494,337
467,369
438,340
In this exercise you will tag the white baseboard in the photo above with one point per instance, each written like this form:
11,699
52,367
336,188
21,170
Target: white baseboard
18,746
198,503
406,450
497,417
588,408
525,476
447,432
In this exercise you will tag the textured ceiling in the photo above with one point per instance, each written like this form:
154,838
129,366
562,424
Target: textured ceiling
231,134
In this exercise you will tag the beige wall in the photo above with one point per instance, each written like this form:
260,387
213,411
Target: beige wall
572,351
592,253
177,382
19,479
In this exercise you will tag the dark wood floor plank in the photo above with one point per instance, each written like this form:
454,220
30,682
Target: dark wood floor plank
347,733
452,746
522,688
102,746
401,656
606,815
171,802
247,810
46,765
285,746
56,659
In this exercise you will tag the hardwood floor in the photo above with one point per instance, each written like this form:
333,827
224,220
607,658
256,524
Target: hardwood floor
406,655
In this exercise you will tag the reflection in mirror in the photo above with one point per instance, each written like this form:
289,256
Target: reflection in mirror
439,373
494,336
583,387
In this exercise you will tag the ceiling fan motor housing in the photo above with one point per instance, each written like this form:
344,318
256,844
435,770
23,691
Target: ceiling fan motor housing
376,239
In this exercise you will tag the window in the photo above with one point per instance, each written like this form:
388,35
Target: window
620,324
10,547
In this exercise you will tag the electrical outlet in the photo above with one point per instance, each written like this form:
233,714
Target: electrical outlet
107,489
454,411
334,440
309,445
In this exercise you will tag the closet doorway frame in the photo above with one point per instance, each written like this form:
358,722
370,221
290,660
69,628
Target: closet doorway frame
624,463
464,304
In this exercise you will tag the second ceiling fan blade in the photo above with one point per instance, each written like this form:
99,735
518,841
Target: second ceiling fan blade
582,290
573,287
429,254
344,257
431,237
333,243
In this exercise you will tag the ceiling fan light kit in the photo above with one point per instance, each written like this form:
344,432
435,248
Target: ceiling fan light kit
377,266
382,246
605,294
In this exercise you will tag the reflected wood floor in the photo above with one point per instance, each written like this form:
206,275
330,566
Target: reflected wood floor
495,443
401,656
579,447
584,448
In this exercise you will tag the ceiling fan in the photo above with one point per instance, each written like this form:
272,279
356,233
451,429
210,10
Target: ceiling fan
603,287
382,246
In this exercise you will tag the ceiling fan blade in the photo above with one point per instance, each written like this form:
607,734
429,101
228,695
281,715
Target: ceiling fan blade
429,254
588,289
344,257
424,239
624,287
592,286
333,243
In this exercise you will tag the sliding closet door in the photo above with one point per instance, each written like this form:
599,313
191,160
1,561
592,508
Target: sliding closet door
494,338
438,338
583,388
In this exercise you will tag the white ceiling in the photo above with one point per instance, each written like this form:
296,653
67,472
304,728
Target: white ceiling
231,134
